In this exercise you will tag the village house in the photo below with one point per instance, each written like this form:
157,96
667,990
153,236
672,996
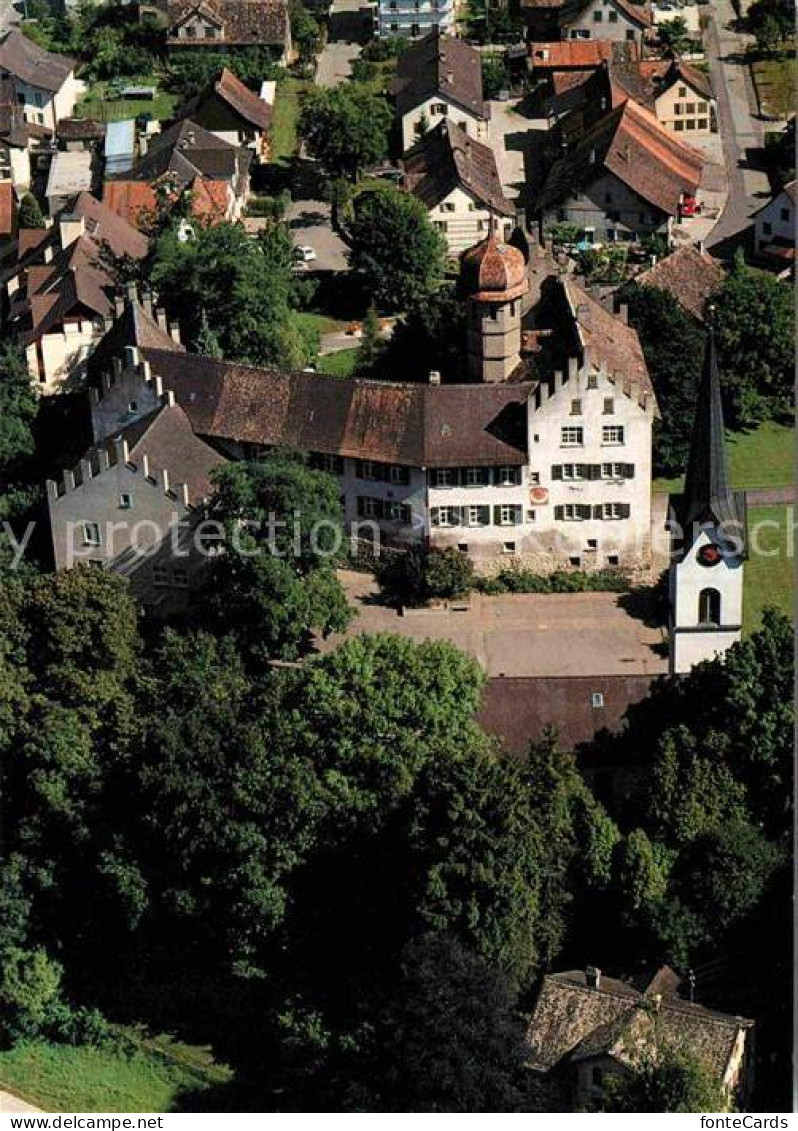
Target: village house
549,466
231,111
71,172
186,158
625,178
587,1028
690,274
80,133
224,25
439,77
774,230
456,179
17,138
44,83
61,294
618,20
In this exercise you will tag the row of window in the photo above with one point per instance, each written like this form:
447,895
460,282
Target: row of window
690,108
385,510
691,124
504,515
598,17
443,225
191,33
476,477
583,512
573,436
608,407
161,577
574,471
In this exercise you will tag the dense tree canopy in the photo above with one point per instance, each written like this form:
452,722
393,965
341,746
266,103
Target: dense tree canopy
395,247
242,287
345,127
674,1081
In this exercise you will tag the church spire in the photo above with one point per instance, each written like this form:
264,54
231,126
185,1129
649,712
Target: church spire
707,492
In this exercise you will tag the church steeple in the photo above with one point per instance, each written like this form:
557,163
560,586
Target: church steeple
708,496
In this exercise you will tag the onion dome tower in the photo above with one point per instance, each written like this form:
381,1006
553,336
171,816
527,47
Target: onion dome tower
494,279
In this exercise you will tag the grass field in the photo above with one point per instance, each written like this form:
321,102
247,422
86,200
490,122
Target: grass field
762,458
286,115
67,1078
94,104
340,364
769,580
775,84
321,323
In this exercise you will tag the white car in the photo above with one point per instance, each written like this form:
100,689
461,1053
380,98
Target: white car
304,253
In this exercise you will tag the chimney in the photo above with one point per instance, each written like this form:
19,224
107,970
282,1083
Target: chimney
146,300
593,977
131,294
623,313
174,332
70,228
434,377
160,318
170,398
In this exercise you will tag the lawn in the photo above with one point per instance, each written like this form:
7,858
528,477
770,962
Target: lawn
764,457
768,580
286,115
775,85
94,104
321,323
340,364
70,1078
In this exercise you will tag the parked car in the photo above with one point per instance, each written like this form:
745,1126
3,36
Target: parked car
304,253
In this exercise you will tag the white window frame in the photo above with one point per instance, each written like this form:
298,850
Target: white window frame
92,534
613,435
572,436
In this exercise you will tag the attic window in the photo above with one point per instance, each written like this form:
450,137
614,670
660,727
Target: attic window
597,699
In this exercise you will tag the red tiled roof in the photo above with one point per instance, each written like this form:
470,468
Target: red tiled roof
570,54
242,22
629,142
134,201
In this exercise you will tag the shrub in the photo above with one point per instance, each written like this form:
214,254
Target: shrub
448,573
30,989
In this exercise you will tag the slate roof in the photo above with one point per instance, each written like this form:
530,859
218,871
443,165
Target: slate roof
416,425
572,1020
31,64
237,96
629,142
242,21
440,64
447,158
688,274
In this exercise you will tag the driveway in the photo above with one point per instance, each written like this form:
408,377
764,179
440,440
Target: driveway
741,129
349,28
519,634
309,221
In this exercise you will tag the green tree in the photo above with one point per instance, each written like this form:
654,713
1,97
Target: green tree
275,582
450,1041
494,75
674,35
305,31
371,346
30,214
674,1081
30,988
243,288
448,573
395,247
673,346
345,127
771,22
428,337
18,410
754,323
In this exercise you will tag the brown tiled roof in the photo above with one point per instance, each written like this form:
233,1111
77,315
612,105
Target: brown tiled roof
243,100
80,129
137,201
133,201
104,226
518,710
645,79
7,208
563,82
629,142
416,425
574,1020
31,64
242,21
447,158
637,13
440,64
186,150
690,275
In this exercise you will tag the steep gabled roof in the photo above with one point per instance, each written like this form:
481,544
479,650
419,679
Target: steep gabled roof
243,101
440,64
416,425
629,142
133,327
185,150
447,158
690,275
646,79
242,21
31,64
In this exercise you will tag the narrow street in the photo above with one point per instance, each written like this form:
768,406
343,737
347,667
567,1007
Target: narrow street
740,127
349,29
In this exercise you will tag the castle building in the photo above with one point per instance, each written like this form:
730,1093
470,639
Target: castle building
708,533
538,459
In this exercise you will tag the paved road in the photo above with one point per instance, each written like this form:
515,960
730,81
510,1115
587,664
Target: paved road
309,221
12,1105
349,28
741,129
